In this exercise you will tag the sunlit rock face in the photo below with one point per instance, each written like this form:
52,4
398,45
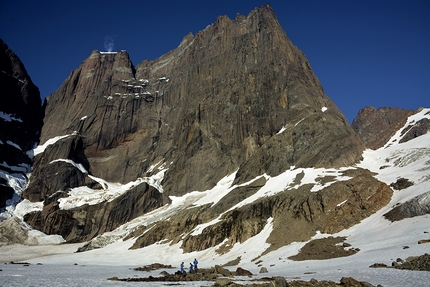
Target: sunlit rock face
237,96
212,105
21,117
377,126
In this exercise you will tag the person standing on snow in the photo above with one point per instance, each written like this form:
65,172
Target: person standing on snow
195,264
191,268
182,268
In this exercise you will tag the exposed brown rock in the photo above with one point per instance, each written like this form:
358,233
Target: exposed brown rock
153,266
421,263
401,183
223,271
277,281
323,248
377,126
242,272
420,128
416,206
417,263
297,214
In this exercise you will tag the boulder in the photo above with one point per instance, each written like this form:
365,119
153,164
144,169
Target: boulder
243,272
223,271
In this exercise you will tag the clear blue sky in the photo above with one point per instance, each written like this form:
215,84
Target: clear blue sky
365,52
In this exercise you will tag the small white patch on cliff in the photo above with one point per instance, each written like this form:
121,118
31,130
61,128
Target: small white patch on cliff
9,117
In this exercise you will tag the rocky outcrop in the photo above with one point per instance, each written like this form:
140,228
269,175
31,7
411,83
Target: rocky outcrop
21,117
52,176
415,130
377,126
226,278
13,231
324,248
297,215
416,263
419,205
85,222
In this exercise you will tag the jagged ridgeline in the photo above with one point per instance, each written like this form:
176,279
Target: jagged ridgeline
237,97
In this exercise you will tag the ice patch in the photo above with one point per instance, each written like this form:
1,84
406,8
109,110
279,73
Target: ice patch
27,206
340,204
41,148
9,117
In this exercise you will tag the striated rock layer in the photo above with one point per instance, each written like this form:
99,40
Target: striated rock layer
237,96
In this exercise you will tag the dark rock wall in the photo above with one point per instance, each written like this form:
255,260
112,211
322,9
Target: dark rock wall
20,98
85,222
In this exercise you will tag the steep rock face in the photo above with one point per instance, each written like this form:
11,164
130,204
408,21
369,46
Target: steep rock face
377,126
21,116
236,96
210,104
233,87
85,222
54,175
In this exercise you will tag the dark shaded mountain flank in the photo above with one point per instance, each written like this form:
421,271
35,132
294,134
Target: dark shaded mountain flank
20,120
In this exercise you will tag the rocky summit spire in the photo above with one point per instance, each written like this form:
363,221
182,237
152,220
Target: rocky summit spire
237,96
